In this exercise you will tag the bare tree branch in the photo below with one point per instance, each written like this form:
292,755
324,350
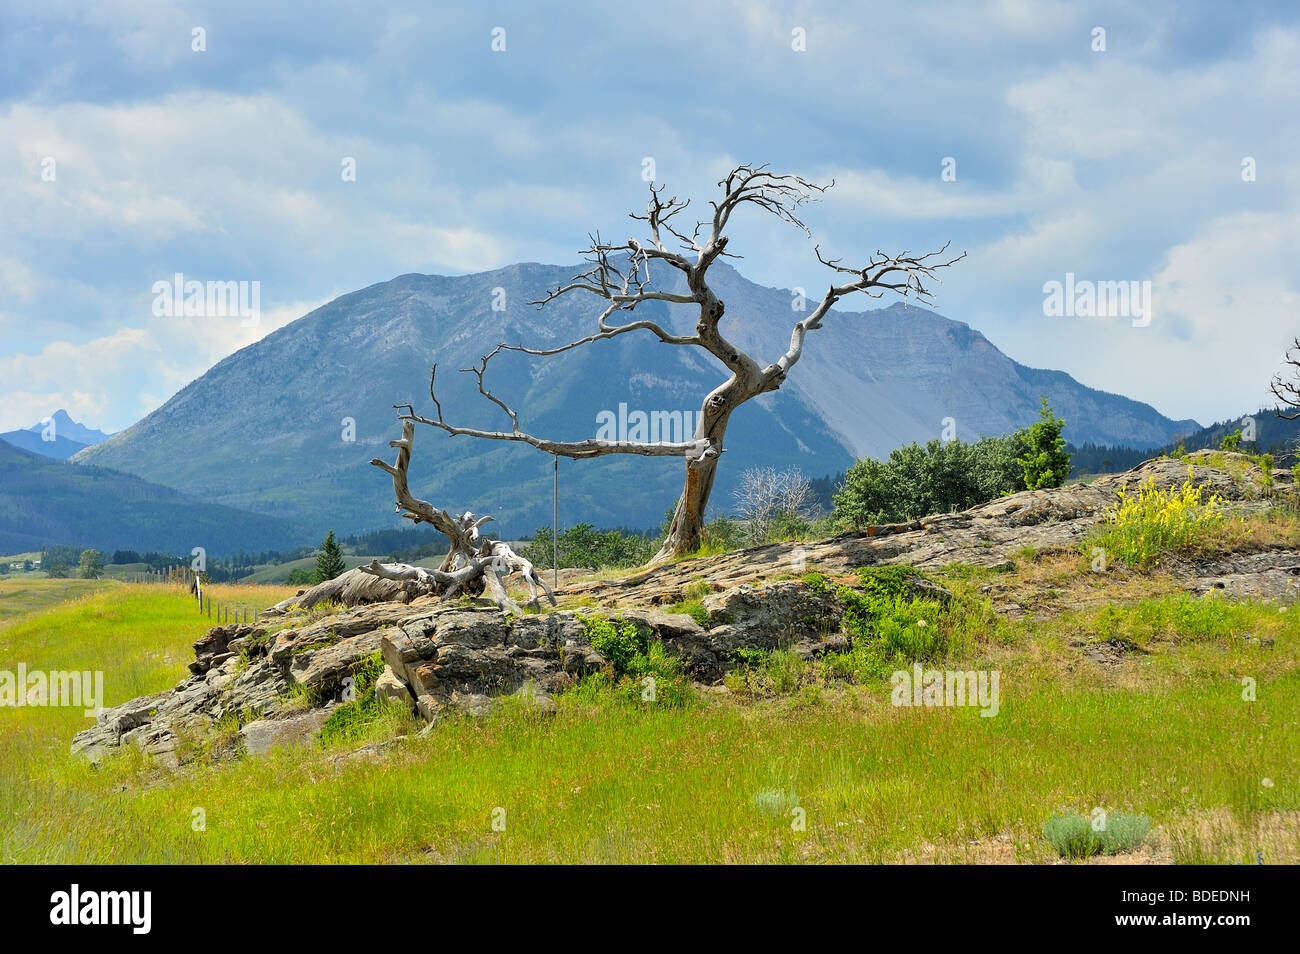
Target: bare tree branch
1288,392
905,274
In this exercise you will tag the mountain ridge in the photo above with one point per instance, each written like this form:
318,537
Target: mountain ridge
46,501
67,437
266,430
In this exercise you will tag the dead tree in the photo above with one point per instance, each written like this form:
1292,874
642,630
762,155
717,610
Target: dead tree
1288,392
471,566
620,277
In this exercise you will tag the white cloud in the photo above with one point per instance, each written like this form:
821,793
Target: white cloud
100,379
1123,165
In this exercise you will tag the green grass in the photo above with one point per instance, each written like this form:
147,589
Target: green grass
29,595
611,778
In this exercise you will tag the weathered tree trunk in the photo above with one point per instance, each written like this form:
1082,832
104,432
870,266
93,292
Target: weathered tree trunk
688,519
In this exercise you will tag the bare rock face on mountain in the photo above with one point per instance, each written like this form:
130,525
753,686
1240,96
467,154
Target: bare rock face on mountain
280,686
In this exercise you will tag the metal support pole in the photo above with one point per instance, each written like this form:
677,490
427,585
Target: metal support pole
555,529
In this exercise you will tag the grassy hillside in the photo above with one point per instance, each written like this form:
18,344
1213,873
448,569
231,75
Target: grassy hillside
45,501
1161,729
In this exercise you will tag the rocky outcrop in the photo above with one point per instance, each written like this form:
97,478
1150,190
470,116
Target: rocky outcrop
279,686
986,535
1272,575
439,658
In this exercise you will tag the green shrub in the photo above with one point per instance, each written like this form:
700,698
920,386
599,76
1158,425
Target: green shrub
653,677
750,657
694,609
1073,836
943,476
361,716
1141,529
633,658
619,644
888,624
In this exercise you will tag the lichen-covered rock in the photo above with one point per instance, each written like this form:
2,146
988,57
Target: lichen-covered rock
390,689
461,658
215,647
1273,575
262,736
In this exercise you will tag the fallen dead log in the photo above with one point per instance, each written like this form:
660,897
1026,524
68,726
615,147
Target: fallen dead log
471,567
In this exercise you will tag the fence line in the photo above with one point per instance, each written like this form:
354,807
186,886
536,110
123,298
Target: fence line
180,573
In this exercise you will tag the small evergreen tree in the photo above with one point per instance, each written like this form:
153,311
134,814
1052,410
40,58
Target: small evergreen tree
329,562
56,570
1046,462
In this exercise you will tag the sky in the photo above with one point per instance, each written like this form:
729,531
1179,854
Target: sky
141,140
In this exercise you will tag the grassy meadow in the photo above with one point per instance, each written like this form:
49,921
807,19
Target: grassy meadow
787,764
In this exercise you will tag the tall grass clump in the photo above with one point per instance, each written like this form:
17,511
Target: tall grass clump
365,715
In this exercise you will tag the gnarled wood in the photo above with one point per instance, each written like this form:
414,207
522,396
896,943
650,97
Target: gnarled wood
470,566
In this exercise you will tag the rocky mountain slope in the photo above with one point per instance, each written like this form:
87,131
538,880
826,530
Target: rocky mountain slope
441,656
304,409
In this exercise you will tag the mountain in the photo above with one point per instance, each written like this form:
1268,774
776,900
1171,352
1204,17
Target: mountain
44,501
60,440
891,376
266,429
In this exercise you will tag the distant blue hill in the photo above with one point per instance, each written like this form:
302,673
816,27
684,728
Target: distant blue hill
44,501
68,437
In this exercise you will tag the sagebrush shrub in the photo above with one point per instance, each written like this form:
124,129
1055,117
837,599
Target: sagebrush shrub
1074,836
